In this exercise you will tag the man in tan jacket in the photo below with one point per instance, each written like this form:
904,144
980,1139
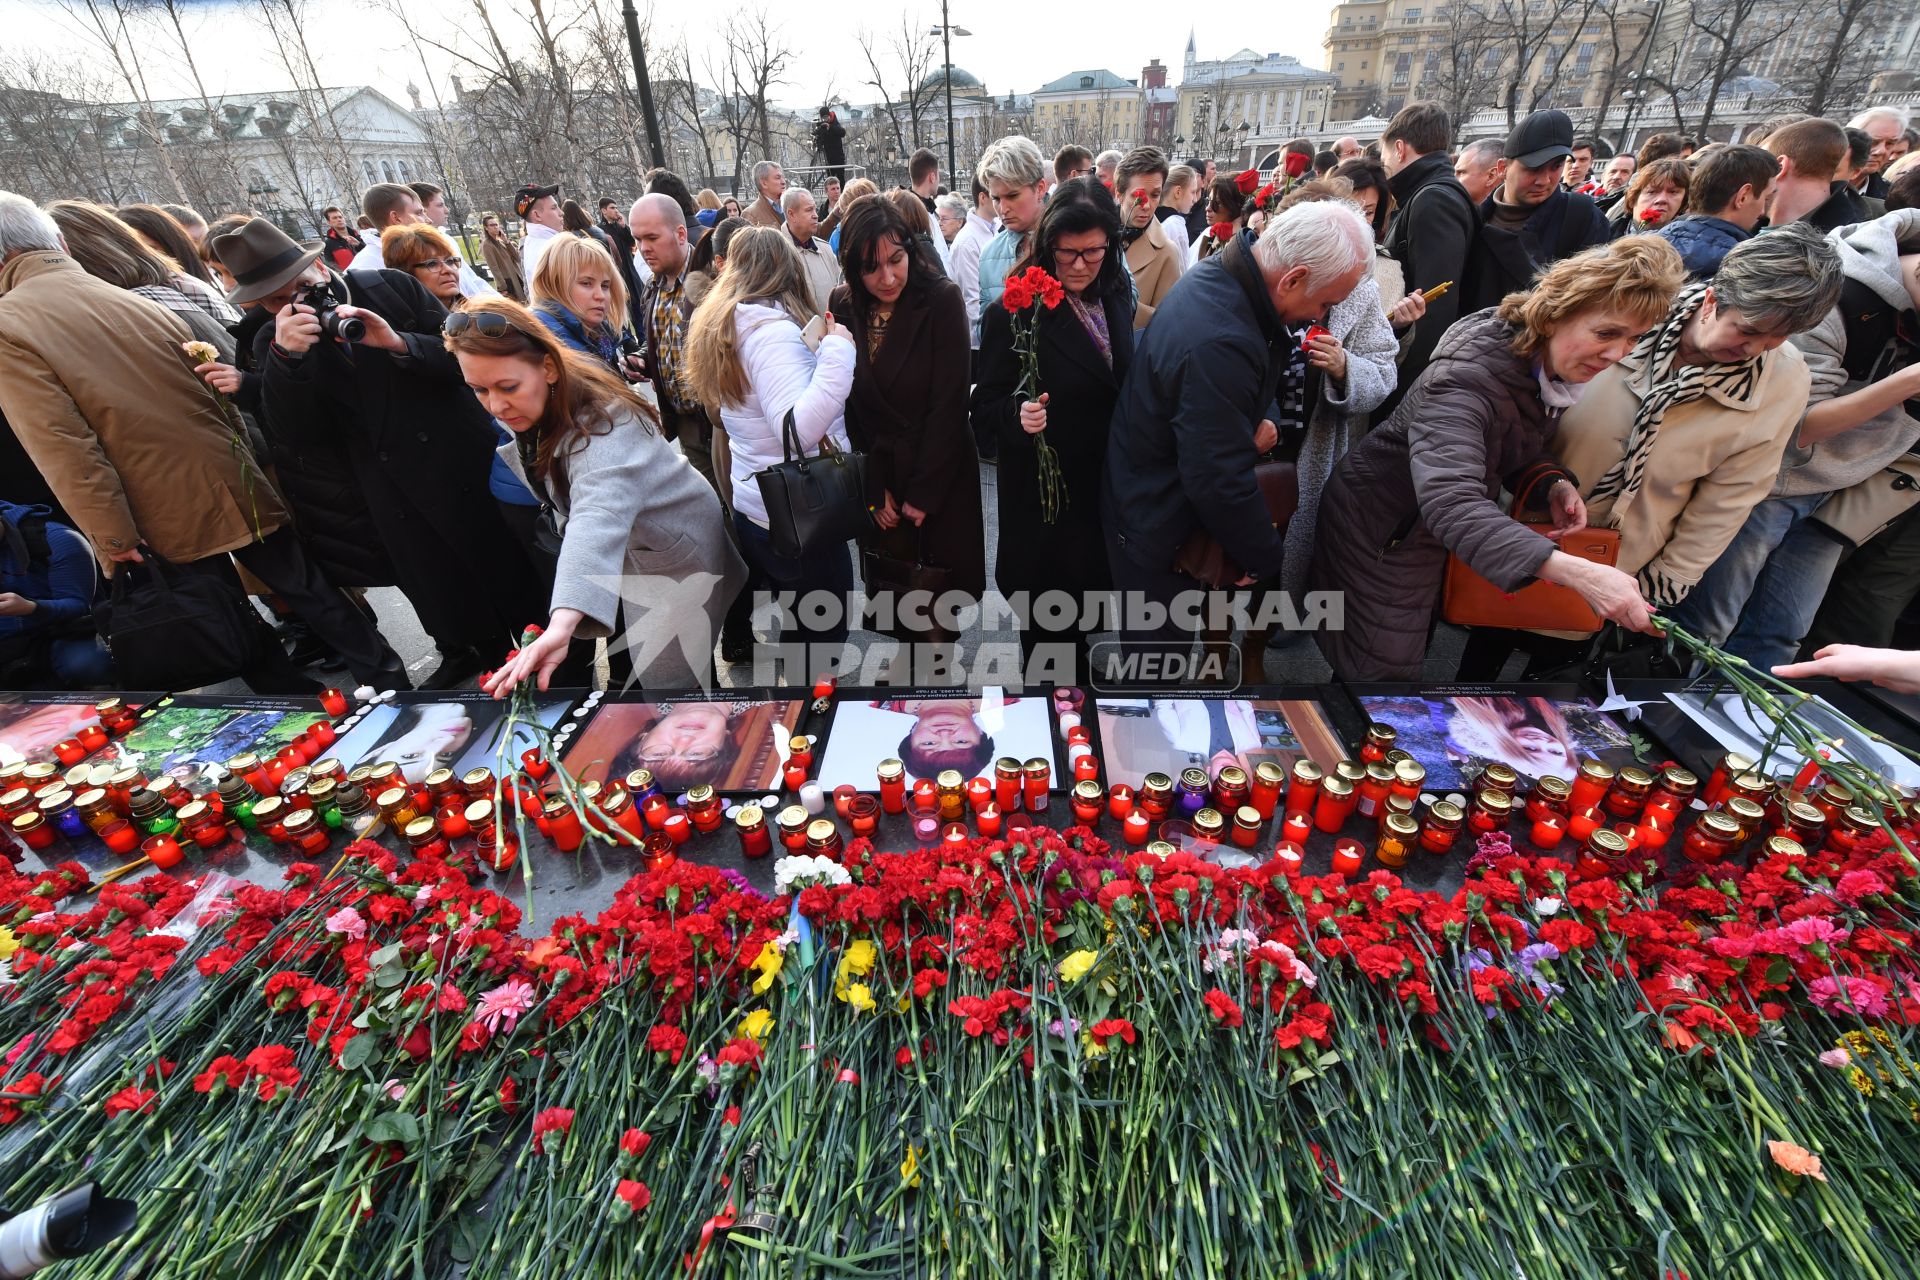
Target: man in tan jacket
1151,258
97,385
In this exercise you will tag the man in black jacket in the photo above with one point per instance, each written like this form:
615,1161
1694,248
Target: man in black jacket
1530,223
418,442
1432,233
830,140
1181,453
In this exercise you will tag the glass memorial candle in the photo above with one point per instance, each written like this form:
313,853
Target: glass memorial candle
751,824
678,828
1712,838
34,831
563,826
1290,857
163,851
1037,780
333,702
1591,786
1209,826
1380,739
1604,854
1373,790
1303,786
1155,799
1348,857
1119,801
1548,831
800,751
1008,777
1134,828
69,751
1674,790
988,820
1550,798
1731,766
1397,840
1335,805
91,737
202,824
892,775
979,794
424,837
1632,787
1263,792
1297,827
1491,812
823,838
1230,788
1582,823
1087,802
1191,796
1442,827
863,814
951,792
843,797
1085,766
792,822
1247,823
120,837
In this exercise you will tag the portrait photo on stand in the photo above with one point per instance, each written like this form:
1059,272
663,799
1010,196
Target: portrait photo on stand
31,723
418,732
1456,731
1139,736
1736,726
483,748
728,745
935,732
202,731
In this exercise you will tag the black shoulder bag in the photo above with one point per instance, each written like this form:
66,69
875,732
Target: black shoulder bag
173,630
813,502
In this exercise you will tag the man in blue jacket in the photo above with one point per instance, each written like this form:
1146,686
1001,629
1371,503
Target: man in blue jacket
1182,449
1531,222
1725,201
47,581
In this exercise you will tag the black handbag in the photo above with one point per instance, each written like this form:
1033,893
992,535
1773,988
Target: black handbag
813,502
173,630
894,562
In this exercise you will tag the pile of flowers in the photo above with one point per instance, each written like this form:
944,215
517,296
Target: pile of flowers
1039,1057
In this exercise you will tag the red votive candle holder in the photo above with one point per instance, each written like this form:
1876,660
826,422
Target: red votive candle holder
979,794
1652,833
162,851
91,737
333,702
1349,855
1290,857
453,822
794,775
1119,801
322,733
1582,824
1296,827
954,833
863,813
655,809
678,828
1085,769
69,751
988,820
843,797
1134,828
120,837
1549,831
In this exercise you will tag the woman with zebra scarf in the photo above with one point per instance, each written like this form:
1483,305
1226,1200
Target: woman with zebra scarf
1674,445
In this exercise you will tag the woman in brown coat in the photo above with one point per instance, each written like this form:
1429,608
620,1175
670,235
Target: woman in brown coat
908,408
1427,481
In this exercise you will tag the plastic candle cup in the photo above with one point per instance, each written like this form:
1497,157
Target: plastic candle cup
678,828
893,786
162,851
1134,828
988,820
1549,831
69,751
453,822
92,737
654,809
954,833
794,775
120,837
979,794
926,828
1583,824
843,798
563,826
812,798
1653,830
863,813
1348,857
1120,801
1085,768
333,702
1289,856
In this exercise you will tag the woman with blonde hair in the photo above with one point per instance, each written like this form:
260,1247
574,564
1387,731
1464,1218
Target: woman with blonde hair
503,258
706,208
578,294
426,255
858,189
628,506
108,249
750,363
1478,421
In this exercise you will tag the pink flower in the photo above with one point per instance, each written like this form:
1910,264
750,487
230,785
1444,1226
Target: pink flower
347,921
1861,995
1730,948
1796,1159
1810,931
1855,885
504,1004
1836,1058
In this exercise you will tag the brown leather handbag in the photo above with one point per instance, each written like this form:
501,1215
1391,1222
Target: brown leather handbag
1201,556
1469,600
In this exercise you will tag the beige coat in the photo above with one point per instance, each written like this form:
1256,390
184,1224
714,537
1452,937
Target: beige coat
1711,464
93,381
1155,265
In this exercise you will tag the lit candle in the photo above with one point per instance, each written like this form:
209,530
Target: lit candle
120,837
1134,828
69,751
1348,857
92,737
1086,768
1289,856
655,809
1296,827
1629,833
1120,801
323,733
1583,823
979,794
534,763
955,833
795,776
679,828
843,798
162,851
1653,832
1549,831
453,822
333,702
988,820
1078,734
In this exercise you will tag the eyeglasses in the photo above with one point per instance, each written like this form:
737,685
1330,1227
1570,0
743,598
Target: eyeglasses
432,263
1081,257
488,324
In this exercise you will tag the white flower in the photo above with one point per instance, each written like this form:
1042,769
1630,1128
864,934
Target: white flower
802,871
1546,906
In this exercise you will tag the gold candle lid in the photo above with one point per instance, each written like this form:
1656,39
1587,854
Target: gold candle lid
191,811
820,830
1403,825
949,780
748,816
891,770
1446,811
701,794
438,778
479,811
1232,775
297,821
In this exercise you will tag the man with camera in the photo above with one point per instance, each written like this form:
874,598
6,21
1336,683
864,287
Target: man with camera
358,358
144,458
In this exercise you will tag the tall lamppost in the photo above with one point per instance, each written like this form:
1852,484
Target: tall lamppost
639,53
947,32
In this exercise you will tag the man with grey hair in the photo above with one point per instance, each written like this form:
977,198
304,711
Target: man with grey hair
823,269
770,181
1760,597
1481,167
1190,422
1885,127
1106,164
1014,175
143,459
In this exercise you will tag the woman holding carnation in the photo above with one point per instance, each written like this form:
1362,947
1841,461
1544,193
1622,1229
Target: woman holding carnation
628,505
1085,345
1477,422
1225,201
908,409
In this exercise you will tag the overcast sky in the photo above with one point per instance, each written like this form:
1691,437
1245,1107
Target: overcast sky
354,44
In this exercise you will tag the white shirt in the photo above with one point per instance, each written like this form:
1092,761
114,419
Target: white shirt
471,285
782,374
537,238
1176,232
965,266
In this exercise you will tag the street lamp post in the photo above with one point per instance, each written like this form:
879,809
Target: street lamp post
947,32
639,53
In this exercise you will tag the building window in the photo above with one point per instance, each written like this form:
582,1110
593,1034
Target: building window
1412,15
386,167
366,166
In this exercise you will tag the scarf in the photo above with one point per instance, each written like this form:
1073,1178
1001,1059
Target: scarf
1669,383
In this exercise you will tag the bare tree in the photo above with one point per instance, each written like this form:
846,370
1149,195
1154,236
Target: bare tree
1569,24
216,174
1725,38
912,50
757,59
1626,55
1846,65
54,140
683,114
109,22
1462,77
286,22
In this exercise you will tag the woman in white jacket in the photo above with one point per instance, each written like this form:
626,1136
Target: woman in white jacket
748,358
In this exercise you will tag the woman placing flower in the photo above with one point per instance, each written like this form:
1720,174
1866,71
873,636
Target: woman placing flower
1084,346
1654,198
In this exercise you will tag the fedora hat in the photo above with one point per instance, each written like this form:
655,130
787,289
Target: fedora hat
261,258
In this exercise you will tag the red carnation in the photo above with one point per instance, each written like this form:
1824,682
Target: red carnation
554,1120
131,1098
1220,230
634,1142
1246,180
1296,163
1107,1028
633,1196
1225,1011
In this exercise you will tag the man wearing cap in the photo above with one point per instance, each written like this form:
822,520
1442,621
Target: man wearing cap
1531,222
95,384
539,208
419,445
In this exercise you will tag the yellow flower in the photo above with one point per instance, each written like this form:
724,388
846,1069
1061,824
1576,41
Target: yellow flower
910,1168
855,962
859,997
768,964
8,944
1075,966
201,352
1091,1048
757,1025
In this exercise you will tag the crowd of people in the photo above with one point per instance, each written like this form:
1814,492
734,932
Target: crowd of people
1452,356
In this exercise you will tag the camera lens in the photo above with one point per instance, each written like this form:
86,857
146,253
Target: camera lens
346,328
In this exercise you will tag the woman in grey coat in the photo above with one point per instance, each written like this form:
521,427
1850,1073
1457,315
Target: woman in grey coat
639,532
1427,482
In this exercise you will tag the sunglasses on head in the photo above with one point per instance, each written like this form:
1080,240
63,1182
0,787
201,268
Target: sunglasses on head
488,324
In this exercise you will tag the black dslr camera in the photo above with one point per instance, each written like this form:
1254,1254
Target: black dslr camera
326,309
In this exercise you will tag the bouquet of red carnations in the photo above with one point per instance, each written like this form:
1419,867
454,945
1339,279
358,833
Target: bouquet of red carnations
1025,294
